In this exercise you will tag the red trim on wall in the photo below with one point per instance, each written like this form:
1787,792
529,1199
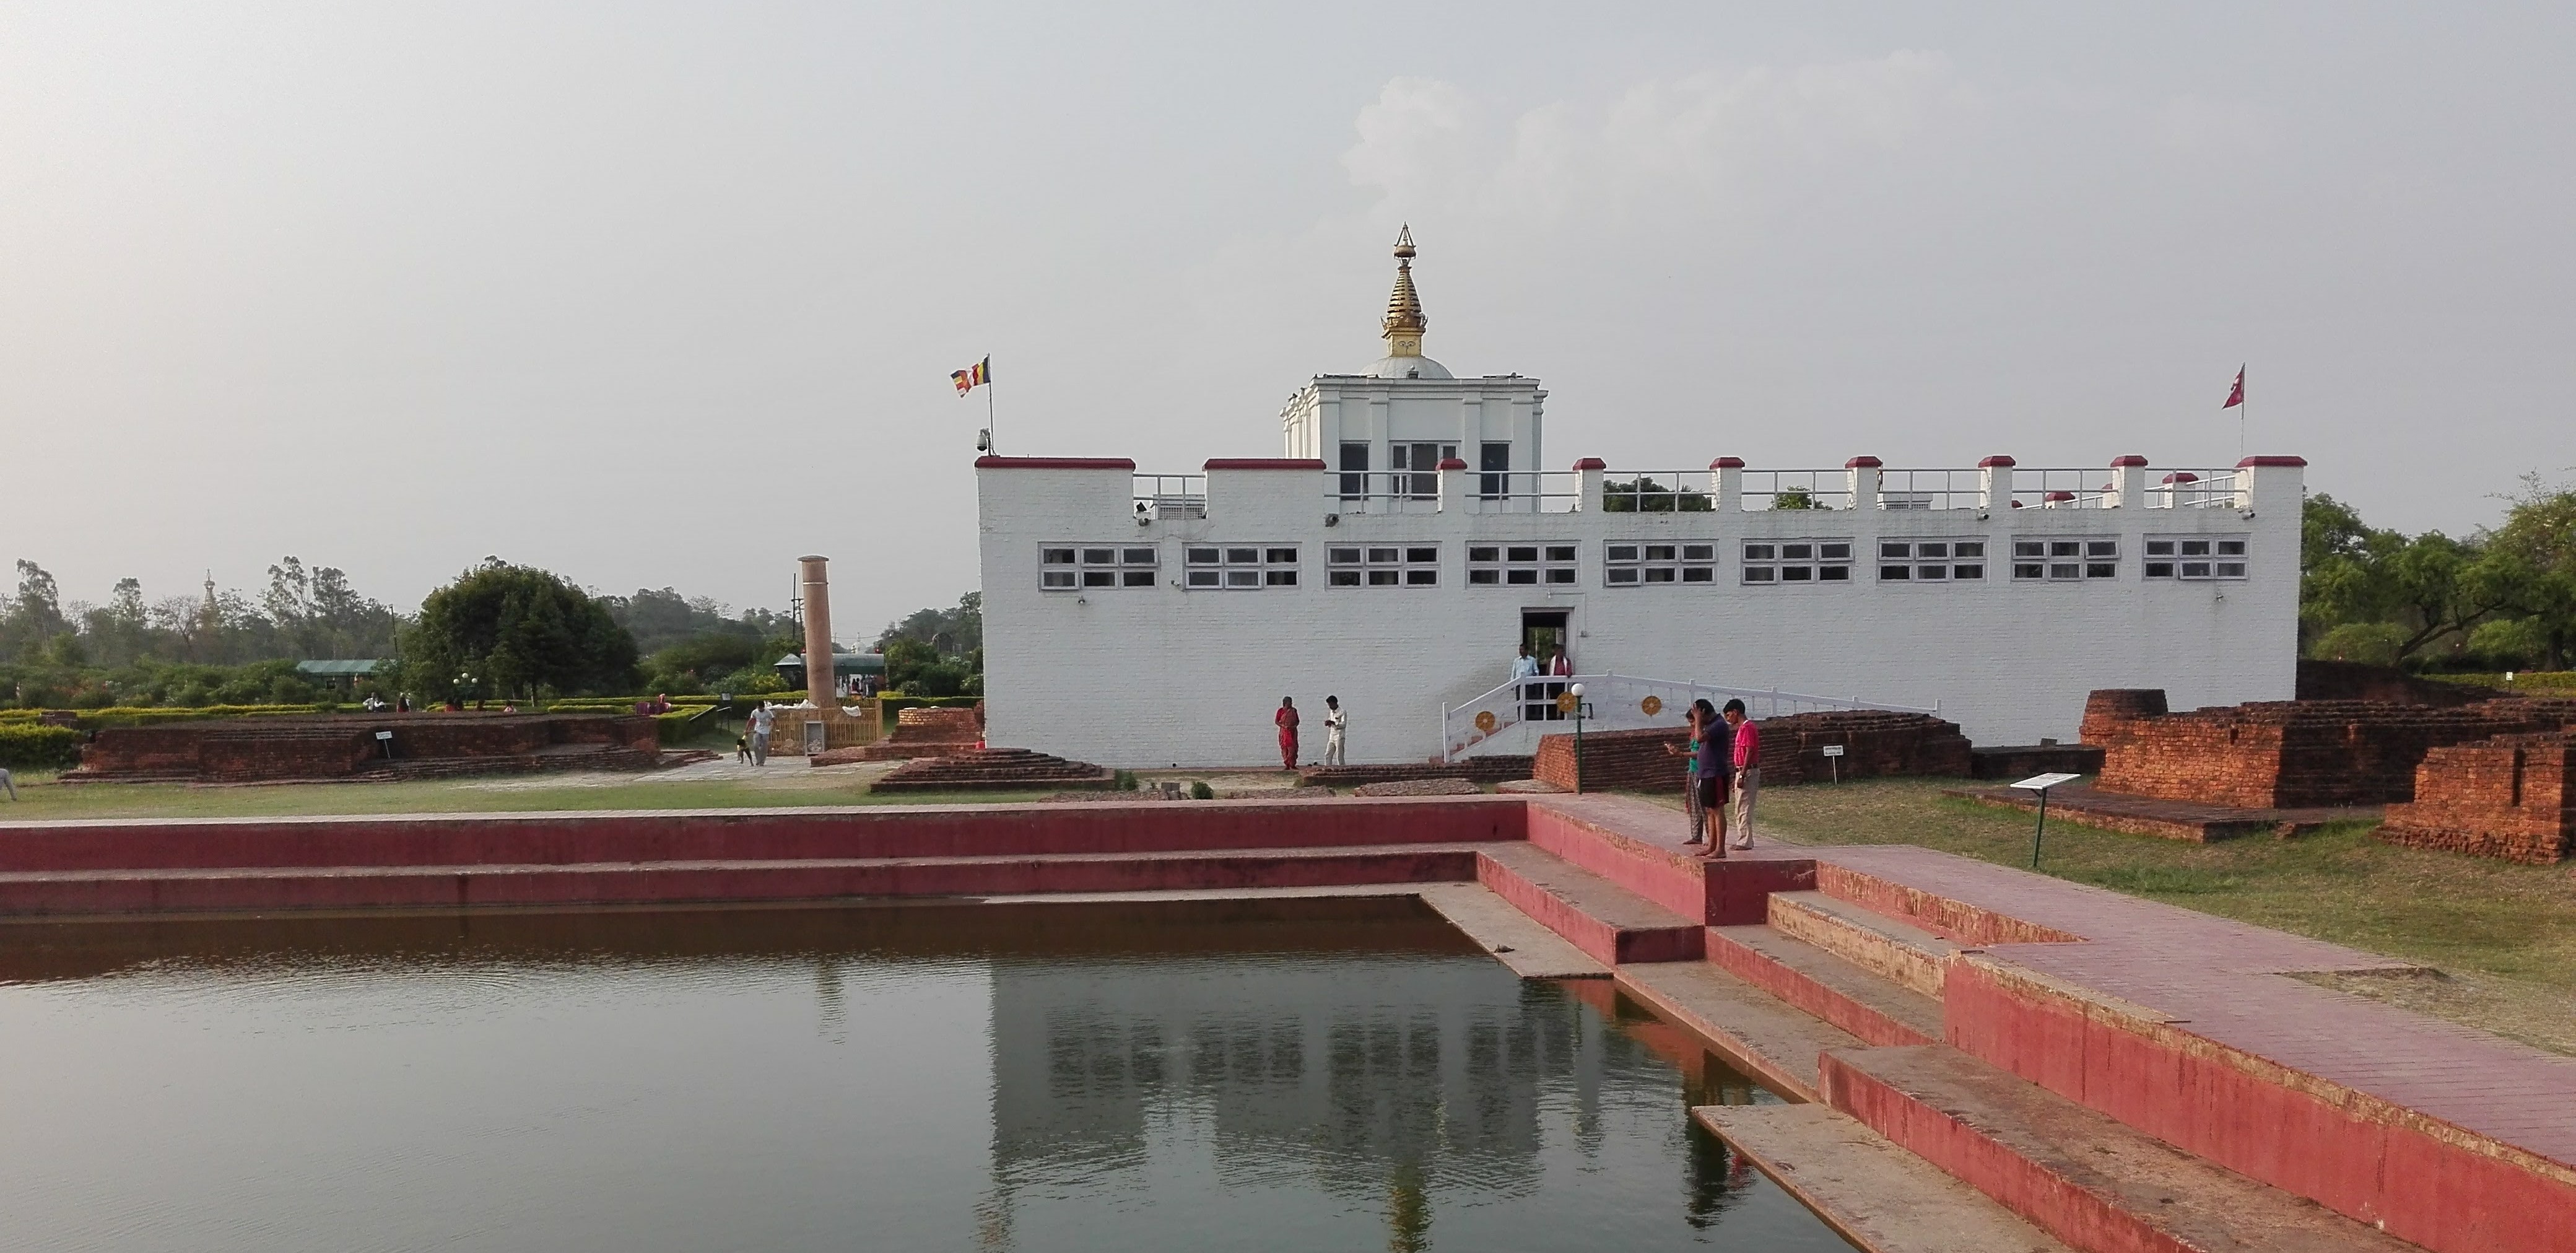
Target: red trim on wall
2271,461
1264,463
1446,463
1057,463
1727,463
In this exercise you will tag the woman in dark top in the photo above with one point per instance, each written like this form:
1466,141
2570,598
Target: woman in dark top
1710,751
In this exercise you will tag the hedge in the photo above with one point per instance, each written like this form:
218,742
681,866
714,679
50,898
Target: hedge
25,747
2523,680
142,715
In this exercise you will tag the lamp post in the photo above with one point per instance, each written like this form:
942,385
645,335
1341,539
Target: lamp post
1574,693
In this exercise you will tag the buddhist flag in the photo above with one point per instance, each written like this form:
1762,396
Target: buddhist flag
973,376
2235,395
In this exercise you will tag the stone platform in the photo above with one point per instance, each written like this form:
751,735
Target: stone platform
2171,819
2084,1069
375,747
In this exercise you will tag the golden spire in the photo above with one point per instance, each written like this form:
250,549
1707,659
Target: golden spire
1404,324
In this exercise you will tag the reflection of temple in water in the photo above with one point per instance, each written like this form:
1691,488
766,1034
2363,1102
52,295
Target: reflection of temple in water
1382,1082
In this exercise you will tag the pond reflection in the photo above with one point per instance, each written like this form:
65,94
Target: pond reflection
1273,1075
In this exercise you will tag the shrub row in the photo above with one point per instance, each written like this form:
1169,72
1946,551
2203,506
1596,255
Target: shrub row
2523,680
142,715
26,747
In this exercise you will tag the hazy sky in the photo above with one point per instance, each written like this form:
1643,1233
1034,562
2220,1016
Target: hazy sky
654,294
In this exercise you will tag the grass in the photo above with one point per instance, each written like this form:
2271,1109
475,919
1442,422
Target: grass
2504,935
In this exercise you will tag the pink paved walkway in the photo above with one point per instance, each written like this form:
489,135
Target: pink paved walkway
2224,981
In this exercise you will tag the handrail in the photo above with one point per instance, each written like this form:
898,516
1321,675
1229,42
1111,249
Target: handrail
1619,700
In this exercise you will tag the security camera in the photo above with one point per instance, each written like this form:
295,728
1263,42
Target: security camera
1332,519
984,441
1142,519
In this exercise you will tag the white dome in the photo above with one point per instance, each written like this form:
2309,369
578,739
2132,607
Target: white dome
1407,367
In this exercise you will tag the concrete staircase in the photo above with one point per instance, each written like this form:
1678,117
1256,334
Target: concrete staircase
994,769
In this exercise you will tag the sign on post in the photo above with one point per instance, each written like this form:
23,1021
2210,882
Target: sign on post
2040,783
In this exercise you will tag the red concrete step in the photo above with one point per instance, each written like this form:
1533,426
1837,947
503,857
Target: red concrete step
1638,846
1759,1034
869,831
2082,1176
1898,952
1872,1193
95,892
1606,921
1847,994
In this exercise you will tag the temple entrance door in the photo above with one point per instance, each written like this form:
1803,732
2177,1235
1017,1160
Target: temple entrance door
1545,631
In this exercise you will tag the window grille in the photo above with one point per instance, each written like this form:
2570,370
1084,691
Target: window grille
1238,567
1383,565
1520,565
2195,557
1643,563
2066,560
1931,560
1086,567
1769,563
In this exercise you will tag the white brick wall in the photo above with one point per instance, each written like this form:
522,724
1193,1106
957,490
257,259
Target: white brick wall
1162,675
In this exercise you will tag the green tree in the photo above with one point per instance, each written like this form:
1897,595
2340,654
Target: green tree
505,630
2529,569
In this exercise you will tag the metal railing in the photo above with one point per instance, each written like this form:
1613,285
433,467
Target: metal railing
2193,489
1931,489
2035,488
1796,489
1513,715
1167,496
1418,491
1658,491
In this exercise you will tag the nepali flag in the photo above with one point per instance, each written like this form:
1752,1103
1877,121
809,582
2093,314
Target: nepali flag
973,376
2235,395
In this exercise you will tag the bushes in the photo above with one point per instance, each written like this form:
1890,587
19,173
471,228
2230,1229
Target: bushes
24,746
134,716
680,725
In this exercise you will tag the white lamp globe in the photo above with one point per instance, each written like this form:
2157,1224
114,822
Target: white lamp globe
1575,691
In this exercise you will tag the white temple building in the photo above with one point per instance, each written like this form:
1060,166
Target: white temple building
1410,539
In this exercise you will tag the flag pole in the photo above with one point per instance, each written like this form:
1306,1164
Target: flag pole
2242,404
997,439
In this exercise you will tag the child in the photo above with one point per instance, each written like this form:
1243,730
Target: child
742,748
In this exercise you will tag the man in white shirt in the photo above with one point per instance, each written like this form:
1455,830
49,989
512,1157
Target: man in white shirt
1531,695
763,719
1336,723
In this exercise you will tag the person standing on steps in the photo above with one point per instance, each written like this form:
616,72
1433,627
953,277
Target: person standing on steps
1747,757
1336,724
1286,718
1706,788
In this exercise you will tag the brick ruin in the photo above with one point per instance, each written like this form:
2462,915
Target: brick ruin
2292,754
1875,743
922,731
2511,797
346,748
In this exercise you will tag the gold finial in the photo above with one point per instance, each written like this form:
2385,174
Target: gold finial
1404,323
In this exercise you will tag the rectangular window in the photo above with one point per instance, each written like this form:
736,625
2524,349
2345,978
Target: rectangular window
1519,565
1410,566
1634,563
1495,460
2064,559
1354,468
1797,561
2195,557
1245,566
1068,569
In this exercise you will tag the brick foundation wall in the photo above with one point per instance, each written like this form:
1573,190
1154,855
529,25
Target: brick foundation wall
2351,680
2512,798
244,750
2111,706
1874,744
2297,754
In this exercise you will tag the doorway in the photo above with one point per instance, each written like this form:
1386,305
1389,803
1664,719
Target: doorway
1545,631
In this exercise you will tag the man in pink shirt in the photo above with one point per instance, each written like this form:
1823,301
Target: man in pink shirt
1748,770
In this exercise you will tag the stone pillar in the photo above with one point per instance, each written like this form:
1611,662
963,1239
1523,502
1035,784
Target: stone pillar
1588,483
1455,494
1862,473
2128,483
2271,483
1726,484
1994,493
818,635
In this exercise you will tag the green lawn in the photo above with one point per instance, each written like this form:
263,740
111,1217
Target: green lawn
789,783
2504,934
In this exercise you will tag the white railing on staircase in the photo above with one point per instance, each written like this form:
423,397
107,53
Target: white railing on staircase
1514,714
